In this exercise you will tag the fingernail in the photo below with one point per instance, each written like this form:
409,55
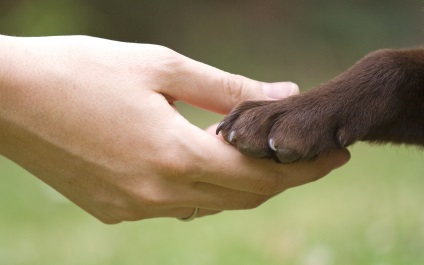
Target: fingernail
280,90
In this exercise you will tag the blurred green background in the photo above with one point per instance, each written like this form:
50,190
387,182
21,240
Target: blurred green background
368,212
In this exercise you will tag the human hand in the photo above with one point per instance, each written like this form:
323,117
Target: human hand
95,120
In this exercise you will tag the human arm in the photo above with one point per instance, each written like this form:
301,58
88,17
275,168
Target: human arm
94,119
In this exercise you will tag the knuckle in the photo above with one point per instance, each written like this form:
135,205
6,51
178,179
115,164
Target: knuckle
176,168
177,165
127,211
151,198
169,58
140,206
233,86
162,62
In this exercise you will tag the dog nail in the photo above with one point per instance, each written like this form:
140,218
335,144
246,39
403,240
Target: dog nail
340,142
283,155
343,139
219,128
271,144
231,137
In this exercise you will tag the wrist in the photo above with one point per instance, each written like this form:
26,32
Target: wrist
8,80
7,52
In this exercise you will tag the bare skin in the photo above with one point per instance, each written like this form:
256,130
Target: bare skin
95,120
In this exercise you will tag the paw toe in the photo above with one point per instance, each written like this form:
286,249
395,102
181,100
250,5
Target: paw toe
252,151
287,156
220,127
230,138
284,155
344,138
245,147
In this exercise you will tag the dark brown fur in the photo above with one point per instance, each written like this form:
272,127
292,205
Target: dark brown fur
379,99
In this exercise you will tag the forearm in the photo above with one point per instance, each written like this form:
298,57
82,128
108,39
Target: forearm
22,100
90,118
8,83
25,94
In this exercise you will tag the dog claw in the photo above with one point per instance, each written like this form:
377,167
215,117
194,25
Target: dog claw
341,141
344,139
231,137
283,155
219,128
271,144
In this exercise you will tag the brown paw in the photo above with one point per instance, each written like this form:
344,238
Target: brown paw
290,130
379,99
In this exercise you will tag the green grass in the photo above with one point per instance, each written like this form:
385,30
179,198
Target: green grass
368,212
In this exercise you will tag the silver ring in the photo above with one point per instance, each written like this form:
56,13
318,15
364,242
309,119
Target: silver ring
191,217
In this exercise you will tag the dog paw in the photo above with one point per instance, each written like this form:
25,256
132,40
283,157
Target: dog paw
378,99
290,130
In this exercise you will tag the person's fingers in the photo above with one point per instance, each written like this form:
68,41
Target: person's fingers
214,198
306,171
205,196
266,177
187,212
173,212
144,212
224,166
209,88
209,198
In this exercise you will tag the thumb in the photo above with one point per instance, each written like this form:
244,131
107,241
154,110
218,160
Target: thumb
209,88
